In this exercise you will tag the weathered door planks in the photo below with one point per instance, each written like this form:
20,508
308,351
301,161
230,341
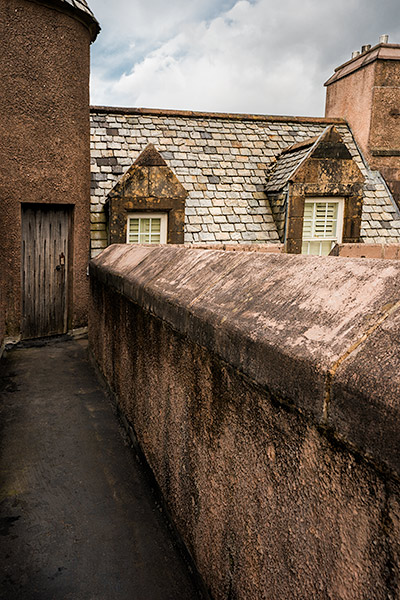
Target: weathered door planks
45,254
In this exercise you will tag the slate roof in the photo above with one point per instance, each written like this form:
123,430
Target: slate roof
80,5
282,170
222,160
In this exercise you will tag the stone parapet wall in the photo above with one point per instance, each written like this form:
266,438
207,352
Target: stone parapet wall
391,251
270,248
263,389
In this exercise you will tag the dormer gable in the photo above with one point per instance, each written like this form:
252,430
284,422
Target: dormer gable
148,190
329,146
149,177
320,167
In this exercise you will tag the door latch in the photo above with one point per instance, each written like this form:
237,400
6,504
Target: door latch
62,262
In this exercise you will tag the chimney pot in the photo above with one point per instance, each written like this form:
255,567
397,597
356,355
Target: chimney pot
365,48
355,54
384,39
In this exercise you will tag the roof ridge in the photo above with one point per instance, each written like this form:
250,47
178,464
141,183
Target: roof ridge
299,145
213,115
307,146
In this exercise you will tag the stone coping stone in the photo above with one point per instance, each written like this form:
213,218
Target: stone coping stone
318,334
389,251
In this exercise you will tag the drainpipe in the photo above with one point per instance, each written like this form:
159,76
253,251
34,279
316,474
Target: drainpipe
286,217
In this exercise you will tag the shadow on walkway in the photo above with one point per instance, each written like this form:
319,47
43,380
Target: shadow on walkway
78,520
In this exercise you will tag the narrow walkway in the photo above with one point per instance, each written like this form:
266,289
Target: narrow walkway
78,520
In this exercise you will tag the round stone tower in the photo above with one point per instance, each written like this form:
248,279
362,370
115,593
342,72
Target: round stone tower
45,165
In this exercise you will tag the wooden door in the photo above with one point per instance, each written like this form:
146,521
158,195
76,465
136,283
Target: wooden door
45,255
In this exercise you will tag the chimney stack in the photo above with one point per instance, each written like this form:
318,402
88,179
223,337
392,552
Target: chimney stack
366,92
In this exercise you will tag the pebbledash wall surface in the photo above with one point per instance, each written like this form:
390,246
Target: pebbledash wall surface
223,162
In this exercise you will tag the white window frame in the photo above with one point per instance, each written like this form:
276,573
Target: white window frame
149,215
339,223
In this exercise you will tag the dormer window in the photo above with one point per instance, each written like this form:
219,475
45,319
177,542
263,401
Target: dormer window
315,191
322,225
147,205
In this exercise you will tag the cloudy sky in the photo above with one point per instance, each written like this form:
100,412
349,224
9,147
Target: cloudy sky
250,56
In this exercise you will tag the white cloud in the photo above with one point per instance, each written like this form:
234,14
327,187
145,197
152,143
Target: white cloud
261,56
150,22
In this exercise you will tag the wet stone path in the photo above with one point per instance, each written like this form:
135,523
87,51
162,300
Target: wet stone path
78,520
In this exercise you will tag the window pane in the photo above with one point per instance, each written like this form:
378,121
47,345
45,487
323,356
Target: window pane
144,225
133,228
308,219
307,228
326,247
314,248
325,219
317,248
133,225
155,225
308,209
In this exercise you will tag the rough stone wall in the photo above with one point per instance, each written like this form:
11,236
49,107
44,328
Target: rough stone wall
384,131
264,392
2,322
44,142
384,140
351,99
